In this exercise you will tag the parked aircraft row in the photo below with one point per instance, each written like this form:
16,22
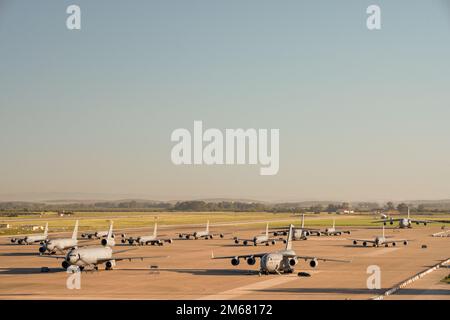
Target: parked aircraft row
281,261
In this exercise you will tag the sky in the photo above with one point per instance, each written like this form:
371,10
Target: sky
363,115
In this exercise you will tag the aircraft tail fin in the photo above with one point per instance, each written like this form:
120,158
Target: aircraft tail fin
75,231
267,230
46,229
303,221
289,238
155,229
110,232
383,231
408,212
207,226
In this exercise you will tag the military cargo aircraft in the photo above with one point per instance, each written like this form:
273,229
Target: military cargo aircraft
258,239
205,234
282,261
379,241
146,240
60,244
38,238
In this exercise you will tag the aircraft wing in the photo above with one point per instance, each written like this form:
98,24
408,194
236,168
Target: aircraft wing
421,221
244,256
361,240
395,240
387,220
131,258
53,256
316,258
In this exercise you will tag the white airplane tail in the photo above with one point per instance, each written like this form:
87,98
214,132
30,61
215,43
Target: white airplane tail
334,223
383,231
110,232
155,229
408,212
207,226
267,230
303,221
46,230
75,231
289,238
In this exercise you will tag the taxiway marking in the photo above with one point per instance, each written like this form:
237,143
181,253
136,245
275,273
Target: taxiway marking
251,288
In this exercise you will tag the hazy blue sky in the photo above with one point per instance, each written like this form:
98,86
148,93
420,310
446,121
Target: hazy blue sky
362,115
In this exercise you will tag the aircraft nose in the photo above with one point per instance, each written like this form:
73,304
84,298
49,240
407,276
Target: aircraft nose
73,258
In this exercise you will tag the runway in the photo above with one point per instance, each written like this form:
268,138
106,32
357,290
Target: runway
189,273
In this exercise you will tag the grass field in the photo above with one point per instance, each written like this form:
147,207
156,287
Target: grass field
100,220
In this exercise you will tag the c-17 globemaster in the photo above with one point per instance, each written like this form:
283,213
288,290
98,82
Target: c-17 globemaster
258,239
301,233
379,241
145,240
38,238
282,261
205,234
60,244
405,222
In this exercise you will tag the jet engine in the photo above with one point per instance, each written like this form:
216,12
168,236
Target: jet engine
65,264
42,249
235,261
221,235
355,242
251,261
405,242
110,264
313,263
292,262
365,244
108,242
13,240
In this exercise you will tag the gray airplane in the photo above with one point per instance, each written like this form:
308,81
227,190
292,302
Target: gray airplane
301,233
205,234
96,234
38,238
379,241
146,240
259,239
92,256
332,231
60,244
282,261
404,222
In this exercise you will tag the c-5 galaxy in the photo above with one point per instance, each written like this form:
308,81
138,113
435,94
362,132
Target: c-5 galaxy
60,244
404,222
278,262
205,234
145,240
38,238
259,239
379,241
